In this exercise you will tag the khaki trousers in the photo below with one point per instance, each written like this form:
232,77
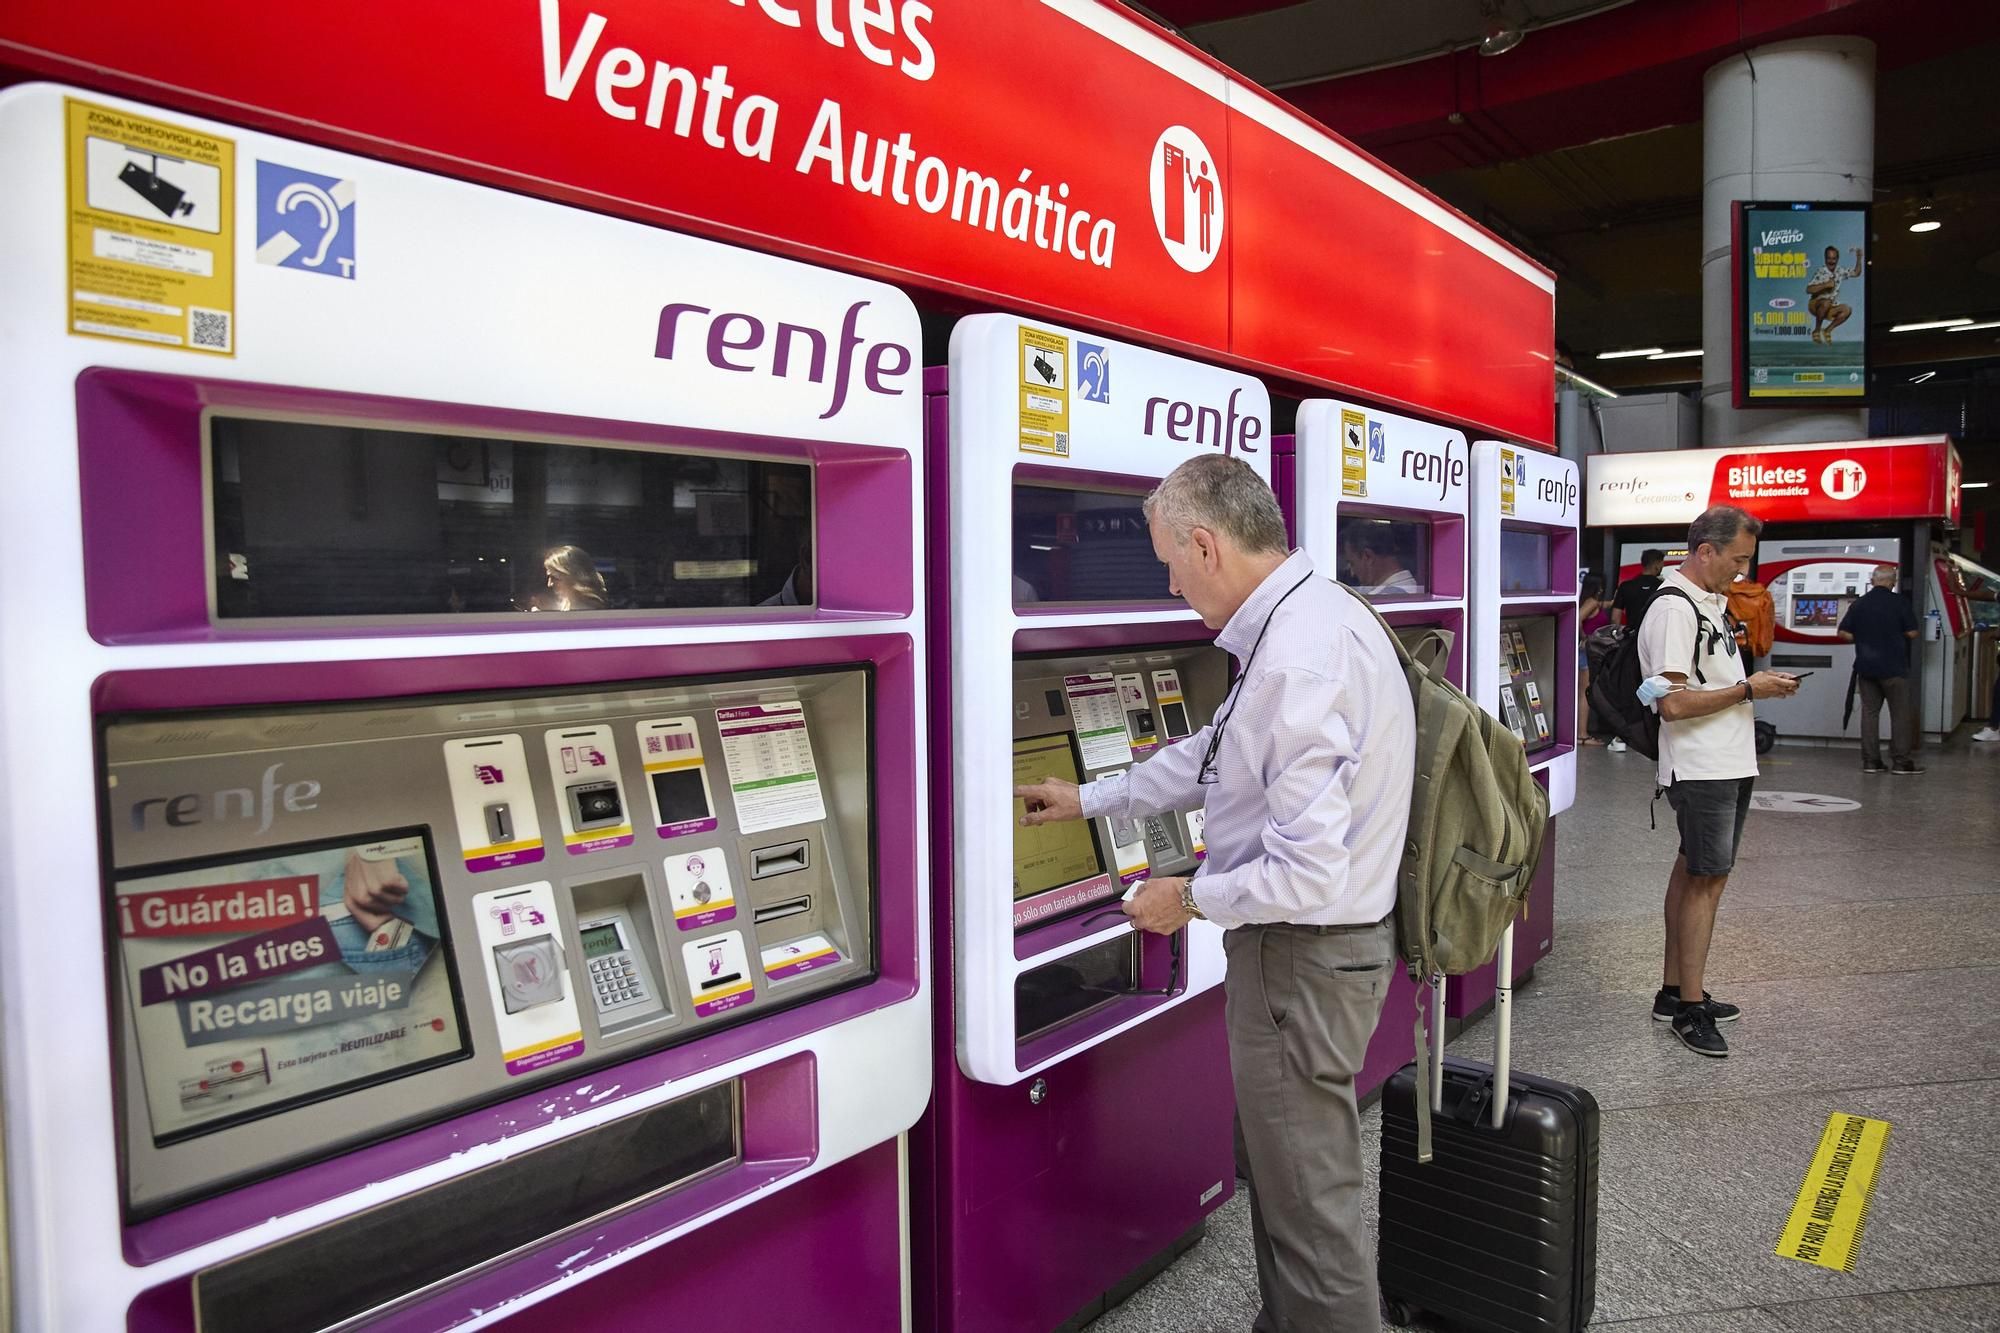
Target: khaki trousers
1302,1005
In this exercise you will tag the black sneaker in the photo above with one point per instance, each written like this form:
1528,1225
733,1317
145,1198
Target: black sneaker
1667,1003
1908,766
1694,1025
1874,768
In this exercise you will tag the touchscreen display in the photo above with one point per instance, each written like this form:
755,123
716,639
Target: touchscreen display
254,984
1524,561
1051,855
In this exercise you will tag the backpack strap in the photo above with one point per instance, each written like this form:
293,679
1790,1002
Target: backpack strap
1700,624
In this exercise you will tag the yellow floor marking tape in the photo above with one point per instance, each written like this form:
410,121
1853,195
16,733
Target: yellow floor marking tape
1825,1227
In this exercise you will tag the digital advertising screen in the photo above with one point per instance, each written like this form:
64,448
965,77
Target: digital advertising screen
258,983
1802,298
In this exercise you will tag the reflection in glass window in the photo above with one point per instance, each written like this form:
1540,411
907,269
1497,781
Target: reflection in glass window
1385,557
1083,546
313,519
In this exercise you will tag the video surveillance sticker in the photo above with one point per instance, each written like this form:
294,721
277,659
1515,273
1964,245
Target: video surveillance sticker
152,210
1044,391
583,761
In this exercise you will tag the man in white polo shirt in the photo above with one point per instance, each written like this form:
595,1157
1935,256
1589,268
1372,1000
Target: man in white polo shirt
1708,755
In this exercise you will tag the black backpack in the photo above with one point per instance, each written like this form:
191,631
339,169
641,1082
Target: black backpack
1614,685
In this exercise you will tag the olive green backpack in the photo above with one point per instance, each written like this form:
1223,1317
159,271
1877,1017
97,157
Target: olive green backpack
1477,817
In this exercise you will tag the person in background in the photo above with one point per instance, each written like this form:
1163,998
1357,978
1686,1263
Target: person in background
1633,594
1592,614
1991,731
1305,778
573,581
1708,756
1881,626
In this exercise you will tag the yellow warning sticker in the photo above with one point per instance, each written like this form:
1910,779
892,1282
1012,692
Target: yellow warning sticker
1507,481
1825,1226
1044,393
1353,455
152,217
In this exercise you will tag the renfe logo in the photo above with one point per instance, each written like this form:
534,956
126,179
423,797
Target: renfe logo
1443,469
188,809
733,331
1231,433
1556,491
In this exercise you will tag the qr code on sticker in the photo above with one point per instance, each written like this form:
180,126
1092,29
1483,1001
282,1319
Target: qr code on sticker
208,328
1062,443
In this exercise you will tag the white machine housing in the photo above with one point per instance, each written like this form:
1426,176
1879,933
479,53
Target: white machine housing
1106,439
464,295
1525,491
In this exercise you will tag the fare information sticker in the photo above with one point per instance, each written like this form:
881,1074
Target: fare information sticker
152,210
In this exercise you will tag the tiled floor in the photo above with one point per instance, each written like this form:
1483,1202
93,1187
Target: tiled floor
1864,948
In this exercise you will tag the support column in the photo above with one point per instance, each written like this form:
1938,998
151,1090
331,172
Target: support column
1789,121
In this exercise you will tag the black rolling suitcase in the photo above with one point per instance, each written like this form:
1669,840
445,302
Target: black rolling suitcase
1499,1230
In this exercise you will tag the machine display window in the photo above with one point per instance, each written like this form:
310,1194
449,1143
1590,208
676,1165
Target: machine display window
254,984
1528,696
1084,546
1051,856
318,520
1385,557
1819,612
1524,561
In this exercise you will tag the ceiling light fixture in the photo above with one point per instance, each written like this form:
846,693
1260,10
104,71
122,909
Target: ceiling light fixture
1674,356
1928,224
1926,375
1930,324
1564,372
1501,34
1924,219
1983,324
1630,351
1973,485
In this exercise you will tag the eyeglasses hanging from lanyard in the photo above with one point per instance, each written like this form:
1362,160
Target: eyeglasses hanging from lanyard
1207,775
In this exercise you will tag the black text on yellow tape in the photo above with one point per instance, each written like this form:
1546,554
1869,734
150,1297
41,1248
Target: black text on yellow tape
1826,1222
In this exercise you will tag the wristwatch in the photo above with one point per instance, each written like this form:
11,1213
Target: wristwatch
1188,904
1749,695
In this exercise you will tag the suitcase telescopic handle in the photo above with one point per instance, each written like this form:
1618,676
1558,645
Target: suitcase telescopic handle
1503,1023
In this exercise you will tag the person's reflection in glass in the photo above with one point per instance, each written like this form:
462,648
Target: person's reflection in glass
1374,556
798,586
574,583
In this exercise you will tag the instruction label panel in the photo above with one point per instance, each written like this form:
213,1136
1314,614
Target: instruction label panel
152,217
1100,720
768,753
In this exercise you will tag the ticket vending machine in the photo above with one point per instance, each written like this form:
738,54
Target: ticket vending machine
471,710
1081,1127
1813,582
1379,501
1523,659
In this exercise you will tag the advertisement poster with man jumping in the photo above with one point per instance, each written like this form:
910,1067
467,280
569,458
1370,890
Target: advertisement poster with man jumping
1805,301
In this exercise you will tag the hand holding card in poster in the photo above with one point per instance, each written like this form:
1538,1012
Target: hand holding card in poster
255,984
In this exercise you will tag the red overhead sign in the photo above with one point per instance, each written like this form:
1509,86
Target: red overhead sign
1056,155
1843,482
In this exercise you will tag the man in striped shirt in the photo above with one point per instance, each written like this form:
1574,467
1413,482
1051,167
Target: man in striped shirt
1304,778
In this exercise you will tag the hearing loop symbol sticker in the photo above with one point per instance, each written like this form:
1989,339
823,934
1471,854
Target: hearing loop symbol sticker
305,221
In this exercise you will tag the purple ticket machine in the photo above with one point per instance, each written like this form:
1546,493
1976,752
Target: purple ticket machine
462,752
1379,502
1523,656
1081,1128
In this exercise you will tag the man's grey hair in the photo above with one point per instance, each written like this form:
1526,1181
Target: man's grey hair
1884,576
1720,526
1224,495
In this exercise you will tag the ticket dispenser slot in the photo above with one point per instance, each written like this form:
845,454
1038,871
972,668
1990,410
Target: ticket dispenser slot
783,859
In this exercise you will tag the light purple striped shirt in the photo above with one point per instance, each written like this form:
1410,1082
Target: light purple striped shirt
1307,818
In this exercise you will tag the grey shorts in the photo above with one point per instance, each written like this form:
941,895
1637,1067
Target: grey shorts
1711,812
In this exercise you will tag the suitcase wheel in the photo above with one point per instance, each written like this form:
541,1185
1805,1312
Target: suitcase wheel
1399,1312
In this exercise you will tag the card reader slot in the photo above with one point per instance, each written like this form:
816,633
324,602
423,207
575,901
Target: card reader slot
778,911
780,859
